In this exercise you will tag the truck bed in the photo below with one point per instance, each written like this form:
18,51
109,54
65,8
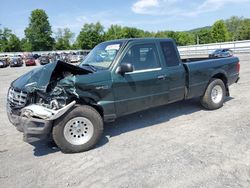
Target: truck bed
201,70
189,60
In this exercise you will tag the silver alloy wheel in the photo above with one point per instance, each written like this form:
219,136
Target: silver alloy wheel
217,94
78,130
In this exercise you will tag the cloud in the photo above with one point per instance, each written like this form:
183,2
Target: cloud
214,5
143,6
154,7
76,22
180,7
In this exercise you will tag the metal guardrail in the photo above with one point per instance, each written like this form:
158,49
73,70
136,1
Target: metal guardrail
205,49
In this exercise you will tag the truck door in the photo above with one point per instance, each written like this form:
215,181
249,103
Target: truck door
175,71
143,88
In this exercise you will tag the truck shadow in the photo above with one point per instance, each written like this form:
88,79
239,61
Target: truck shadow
44,147
133,122
151,117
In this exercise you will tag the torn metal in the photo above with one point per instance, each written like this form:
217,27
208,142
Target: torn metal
40,78
37,111
50,90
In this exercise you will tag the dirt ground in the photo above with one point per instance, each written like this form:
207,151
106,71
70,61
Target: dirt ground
178,145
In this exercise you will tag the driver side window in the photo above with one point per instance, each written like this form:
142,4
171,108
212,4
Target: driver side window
142,57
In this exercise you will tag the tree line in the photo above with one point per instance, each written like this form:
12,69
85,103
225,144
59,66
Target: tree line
39,35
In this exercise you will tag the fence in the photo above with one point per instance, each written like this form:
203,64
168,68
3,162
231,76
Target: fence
192,50
205,49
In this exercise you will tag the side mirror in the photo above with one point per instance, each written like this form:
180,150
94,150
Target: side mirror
123,68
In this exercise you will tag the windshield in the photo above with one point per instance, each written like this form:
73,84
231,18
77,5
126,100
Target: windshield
217,51
102,55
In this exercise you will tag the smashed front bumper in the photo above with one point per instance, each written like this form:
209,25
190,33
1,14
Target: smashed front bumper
33,129
36,128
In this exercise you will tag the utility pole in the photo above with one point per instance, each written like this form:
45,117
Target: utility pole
197,39
1,29
1,38
1,35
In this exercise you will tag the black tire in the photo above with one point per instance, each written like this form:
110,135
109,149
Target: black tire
207,99
79,111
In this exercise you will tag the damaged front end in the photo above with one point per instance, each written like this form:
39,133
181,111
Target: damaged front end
36,110
41,96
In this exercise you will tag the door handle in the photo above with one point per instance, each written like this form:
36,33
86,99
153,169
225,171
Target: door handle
162,77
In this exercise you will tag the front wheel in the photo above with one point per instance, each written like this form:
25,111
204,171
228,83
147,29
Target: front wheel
78,130
215,95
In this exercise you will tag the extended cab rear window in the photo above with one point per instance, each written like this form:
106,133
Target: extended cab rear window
170,55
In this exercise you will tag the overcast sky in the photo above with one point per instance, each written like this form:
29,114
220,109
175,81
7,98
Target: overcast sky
151,15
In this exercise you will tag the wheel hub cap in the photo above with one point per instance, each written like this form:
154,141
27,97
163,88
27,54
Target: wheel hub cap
217,94
78,130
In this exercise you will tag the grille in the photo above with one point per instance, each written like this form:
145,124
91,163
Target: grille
17,98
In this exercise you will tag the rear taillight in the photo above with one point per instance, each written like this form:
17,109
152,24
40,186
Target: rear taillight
238,67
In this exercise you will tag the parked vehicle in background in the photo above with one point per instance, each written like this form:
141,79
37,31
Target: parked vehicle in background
221,53
44,59
73,58
52,57
65,57
4,61
16,62
36,56
78,56
117,78
30,61
57,56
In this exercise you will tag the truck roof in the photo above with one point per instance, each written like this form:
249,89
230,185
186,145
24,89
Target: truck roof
142,39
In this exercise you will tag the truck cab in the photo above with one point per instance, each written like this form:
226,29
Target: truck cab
154,79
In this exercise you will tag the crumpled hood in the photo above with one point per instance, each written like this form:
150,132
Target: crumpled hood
39,78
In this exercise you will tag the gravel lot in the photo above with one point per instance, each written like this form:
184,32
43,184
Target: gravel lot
179,145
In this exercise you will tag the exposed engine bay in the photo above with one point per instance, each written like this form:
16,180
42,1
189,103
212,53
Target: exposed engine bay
55,96
50,91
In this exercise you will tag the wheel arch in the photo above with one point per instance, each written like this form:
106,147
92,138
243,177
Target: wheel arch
91,102
222,76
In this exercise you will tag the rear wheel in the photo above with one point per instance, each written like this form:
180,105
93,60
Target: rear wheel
215,95
78,130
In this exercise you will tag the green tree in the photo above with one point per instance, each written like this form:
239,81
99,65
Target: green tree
148,34
14,44
184,38
4,36
39,33
219,32
181,38
114,32
90,35
166,34
243,32
118,32
132,32
232,25
26,45
75,46
205,36
63,39
9,42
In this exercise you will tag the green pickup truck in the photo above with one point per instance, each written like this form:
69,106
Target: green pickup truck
117,78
